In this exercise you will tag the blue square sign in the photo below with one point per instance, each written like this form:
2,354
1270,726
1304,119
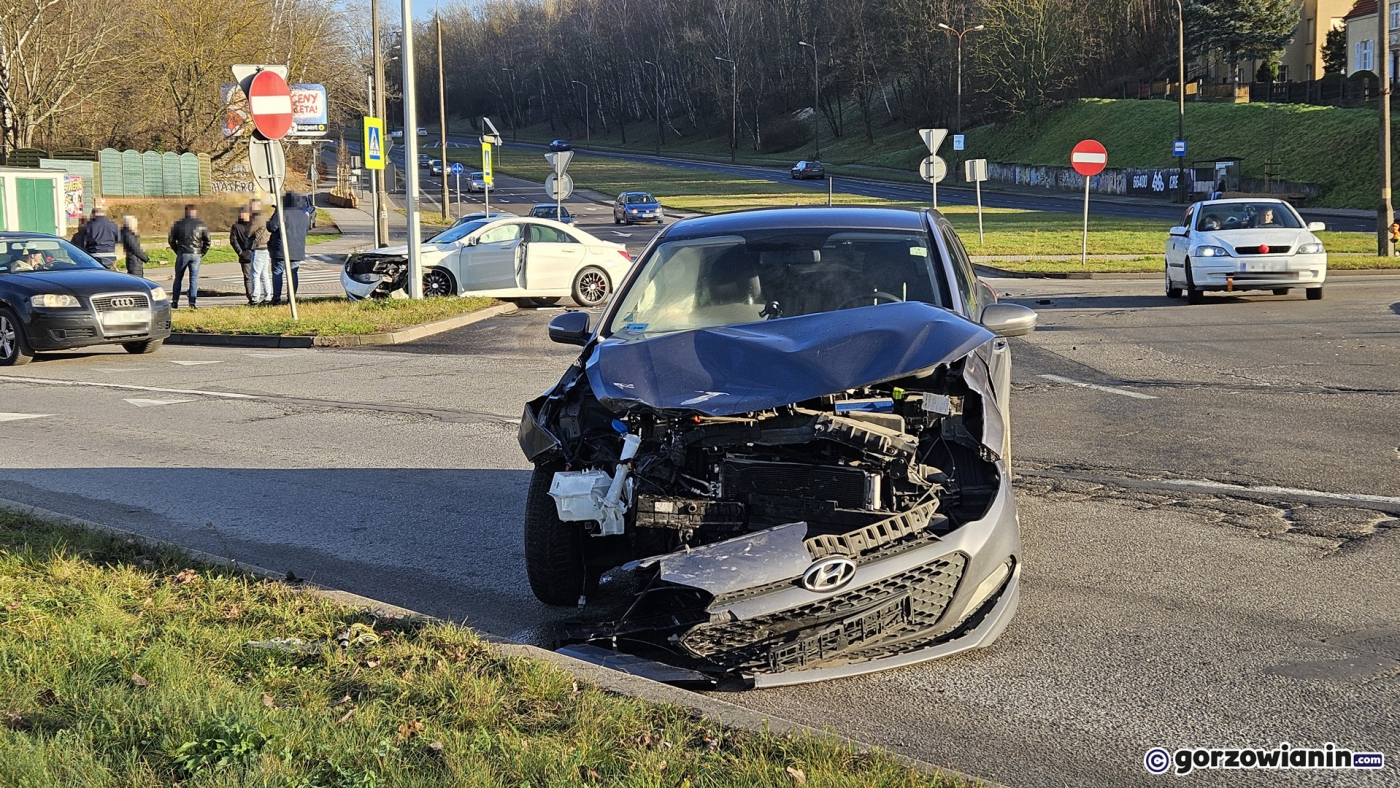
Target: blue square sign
958,141
1179,148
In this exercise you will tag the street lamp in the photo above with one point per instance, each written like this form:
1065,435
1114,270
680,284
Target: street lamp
587,124
960,34
658,105
734,110
1181,98
816,98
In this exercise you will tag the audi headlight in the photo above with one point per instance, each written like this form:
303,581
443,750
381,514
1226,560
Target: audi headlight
53,300
159,294
1211,251
1310,249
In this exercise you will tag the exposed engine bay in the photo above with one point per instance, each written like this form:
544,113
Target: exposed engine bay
388,272
783,538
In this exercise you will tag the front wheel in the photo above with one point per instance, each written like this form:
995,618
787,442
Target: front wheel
1281,291
437,282
1314,294
553,548
1194,295
591,286
14,348
143,348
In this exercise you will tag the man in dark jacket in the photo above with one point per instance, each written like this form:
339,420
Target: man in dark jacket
240,237
189,240
262,262
294,220
99,238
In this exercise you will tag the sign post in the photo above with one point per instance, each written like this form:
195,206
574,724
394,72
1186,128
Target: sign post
270,105
1089,158
931,166
976,171
456,171
488,177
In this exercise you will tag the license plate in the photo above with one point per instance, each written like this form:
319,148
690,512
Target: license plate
125,317
1259,266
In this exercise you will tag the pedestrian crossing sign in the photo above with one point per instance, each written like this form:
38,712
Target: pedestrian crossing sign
488,169
374,143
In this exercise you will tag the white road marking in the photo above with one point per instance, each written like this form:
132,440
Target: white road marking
1097,387
22,416
154,403
1275,490
122,386
194,363
624,235
271,355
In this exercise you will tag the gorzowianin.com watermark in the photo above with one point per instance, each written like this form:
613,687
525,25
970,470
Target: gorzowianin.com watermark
1159,760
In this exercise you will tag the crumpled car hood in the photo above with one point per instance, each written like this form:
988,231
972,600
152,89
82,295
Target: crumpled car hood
755,366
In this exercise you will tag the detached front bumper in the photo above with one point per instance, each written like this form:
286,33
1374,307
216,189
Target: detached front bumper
739,608
1261,272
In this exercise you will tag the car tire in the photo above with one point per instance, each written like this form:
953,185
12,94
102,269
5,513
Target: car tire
14,347
553,549
591,286
544,301
143,348
1282,290
438,283
1314,294
1173,292
616,220
1194,295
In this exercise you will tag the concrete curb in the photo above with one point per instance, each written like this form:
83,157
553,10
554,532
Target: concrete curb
358,340
703,706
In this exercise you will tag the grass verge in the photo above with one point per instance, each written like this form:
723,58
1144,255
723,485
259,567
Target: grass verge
325,316
125,666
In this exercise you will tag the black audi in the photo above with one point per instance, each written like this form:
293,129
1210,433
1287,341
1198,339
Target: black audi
53,296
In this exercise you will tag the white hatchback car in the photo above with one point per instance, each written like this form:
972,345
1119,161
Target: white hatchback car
534,261
1244,244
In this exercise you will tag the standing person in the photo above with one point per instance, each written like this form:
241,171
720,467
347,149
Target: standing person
189,240
99,238
136,257
262,264
241,239
292,219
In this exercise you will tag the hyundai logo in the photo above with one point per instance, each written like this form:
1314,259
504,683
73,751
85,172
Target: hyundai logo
829,574
123,303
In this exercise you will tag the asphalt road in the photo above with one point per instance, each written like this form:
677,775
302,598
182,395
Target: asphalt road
1159,608
948,194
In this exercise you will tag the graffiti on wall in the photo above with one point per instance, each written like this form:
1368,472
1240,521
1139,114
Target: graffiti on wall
1141,182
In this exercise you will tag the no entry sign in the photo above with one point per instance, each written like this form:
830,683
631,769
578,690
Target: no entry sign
1089,158
270,104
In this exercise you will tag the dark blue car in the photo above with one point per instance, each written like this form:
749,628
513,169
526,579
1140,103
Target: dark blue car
637,207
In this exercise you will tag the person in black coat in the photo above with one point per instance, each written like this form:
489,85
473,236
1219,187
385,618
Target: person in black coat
99,238
136,257
240,238
297,223
189,240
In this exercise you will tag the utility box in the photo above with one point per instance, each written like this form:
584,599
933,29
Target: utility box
32,200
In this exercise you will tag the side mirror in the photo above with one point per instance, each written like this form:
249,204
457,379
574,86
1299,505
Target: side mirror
570,328
1178,230
471,240
1007,320
1317,227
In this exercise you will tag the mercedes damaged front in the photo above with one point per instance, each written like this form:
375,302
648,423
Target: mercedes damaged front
792,444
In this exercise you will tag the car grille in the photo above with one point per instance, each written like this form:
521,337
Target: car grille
1256,250
849,487
114,303
894,609
62,334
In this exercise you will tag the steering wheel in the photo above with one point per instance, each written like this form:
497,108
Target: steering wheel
875,295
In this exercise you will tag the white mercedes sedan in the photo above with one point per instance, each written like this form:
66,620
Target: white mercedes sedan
533,261
1244,244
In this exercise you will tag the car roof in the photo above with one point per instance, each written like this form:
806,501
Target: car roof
548,205
1238,200
799,218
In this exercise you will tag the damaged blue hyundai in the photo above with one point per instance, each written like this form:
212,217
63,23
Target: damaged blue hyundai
786,443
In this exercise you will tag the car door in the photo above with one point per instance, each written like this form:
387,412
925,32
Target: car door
552,256
619,208
975,296
1178,246
490,264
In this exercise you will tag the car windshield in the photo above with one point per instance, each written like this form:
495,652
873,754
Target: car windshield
40,253
458,231
764,275
477,176
637,199
1246,216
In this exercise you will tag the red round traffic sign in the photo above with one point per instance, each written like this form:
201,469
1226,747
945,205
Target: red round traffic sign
270,104
1089,158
